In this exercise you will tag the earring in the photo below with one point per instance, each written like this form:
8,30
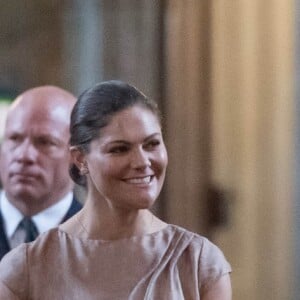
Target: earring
83,170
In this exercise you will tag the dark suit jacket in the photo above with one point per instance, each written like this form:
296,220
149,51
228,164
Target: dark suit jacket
4,245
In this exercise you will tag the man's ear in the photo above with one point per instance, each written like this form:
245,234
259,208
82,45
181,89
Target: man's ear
78,158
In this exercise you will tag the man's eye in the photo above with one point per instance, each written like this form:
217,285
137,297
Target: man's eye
44,142
15,138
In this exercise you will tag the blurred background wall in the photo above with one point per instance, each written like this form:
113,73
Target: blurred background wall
223,74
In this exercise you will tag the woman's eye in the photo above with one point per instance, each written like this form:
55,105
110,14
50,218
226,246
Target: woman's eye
152,144
119,149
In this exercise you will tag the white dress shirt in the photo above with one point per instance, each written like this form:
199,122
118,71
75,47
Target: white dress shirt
44,220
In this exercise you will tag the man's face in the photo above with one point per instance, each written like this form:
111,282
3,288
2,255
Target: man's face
34,155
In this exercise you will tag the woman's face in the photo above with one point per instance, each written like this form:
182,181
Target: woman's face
127,164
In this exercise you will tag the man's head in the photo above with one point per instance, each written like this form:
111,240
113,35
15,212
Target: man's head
34,155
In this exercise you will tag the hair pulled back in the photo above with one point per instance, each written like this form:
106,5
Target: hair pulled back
95,108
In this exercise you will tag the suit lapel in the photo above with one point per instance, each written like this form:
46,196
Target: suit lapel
4,245
74,208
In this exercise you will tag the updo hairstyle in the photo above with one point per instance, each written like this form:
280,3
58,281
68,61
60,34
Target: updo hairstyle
94,110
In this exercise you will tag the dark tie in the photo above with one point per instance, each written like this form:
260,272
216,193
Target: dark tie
30,229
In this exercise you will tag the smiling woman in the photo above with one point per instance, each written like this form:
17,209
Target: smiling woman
115,248
126,167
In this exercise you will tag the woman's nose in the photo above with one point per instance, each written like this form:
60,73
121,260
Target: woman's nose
140,159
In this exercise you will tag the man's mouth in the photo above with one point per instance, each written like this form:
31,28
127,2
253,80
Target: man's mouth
24,175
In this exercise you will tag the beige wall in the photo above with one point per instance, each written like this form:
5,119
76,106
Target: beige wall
187,110
253,138
222,71
249,87
30,39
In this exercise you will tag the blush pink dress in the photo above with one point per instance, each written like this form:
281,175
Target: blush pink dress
172,263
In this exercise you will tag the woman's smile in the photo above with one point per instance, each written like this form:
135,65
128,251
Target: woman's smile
139,180
127,163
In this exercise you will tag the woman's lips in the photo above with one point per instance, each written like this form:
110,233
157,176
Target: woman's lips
139,180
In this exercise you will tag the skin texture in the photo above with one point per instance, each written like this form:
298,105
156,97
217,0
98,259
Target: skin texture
34,157
220,291
129,149
126,169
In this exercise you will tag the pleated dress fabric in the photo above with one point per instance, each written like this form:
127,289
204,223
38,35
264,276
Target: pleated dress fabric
172,263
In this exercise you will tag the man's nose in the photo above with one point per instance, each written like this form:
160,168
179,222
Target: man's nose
26,152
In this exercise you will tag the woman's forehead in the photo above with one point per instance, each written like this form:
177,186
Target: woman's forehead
131,123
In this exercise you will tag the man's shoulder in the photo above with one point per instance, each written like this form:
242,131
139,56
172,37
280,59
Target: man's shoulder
73,209
76,204
4,246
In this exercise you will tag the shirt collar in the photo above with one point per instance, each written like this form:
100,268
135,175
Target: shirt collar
11,215
44,220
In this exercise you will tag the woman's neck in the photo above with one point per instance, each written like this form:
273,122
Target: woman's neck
113,224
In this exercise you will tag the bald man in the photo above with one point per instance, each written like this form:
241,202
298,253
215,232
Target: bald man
34,161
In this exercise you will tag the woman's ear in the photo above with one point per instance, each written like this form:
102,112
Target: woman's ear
78,159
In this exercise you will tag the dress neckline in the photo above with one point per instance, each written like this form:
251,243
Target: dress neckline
103,241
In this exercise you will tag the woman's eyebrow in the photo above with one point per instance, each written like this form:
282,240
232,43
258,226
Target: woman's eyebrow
155,134
120,141
117,142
